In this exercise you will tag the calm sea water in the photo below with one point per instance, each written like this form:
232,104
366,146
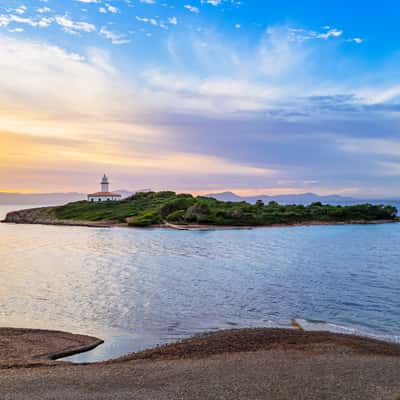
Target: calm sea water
136,288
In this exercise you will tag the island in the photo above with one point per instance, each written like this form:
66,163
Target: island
185,211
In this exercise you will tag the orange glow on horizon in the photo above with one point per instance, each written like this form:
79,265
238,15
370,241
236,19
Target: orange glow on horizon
23,191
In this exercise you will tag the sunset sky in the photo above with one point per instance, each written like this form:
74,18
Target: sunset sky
200,95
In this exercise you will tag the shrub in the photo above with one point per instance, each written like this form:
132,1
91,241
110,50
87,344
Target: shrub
176,216
198,212
146,219
178,203
149,208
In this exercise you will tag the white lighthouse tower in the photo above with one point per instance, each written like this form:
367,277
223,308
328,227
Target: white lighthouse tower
104,194
104,184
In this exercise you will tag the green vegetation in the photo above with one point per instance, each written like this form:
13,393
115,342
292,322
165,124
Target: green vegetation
146,209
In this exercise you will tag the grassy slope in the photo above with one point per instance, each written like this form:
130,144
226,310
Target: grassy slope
144,209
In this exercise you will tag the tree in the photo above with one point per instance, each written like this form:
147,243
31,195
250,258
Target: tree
259,203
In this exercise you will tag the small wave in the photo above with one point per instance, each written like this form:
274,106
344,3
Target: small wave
316,325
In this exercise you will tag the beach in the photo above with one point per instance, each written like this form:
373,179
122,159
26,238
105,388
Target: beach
33,347
239,364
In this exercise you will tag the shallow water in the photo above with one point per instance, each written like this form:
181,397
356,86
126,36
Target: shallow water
136,288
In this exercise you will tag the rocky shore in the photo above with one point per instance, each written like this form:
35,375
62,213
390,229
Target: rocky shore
44,216
273,364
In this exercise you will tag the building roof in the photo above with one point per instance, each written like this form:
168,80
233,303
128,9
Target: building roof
101,194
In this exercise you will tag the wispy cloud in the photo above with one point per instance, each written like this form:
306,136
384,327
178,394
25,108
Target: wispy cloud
151,21
71,26
42,10
192,9
109,8
114,37
43,22
283,107
88,1
300,34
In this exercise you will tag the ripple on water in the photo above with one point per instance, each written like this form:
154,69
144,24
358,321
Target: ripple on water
137,288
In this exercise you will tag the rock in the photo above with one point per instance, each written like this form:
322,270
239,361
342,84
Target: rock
198,212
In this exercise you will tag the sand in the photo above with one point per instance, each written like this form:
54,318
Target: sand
25,347
240,364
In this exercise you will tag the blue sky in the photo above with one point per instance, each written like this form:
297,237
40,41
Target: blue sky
201,95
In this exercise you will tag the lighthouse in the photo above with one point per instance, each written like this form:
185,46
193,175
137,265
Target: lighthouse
104,194
104,184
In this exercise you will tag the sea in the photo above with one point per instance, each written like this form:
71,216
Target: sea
138,288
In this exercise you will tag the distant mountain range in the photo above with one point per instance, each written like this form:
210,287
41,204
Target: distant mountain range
303,198
48,199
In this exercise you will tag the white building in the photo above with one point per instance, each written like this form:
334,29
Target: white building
104,194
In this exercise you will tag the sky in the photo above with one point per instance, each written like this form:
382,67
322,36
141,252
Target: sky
200,96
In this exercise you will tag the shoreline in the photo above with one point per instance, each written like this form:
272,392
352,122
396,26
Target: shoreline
242,364
25,347
240,340
166,209
300,224
191,227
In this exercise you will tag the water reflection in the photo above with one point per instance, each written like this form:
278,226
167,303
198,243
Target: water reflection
137,288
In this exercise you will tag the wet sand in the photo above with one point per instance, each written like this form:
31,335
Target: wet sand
240,364
29,347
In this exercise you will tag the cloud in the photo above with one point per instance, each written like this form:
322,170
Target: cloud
380,94
21,9
277,75
112,9
192,9
16,30
229,78
114,37
78,154
109,8
376,146
42,10
71,26
212,2
300,34
151,21
59,94
216,110
173,20
390,168
208,95
330,33
6,20
48,80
